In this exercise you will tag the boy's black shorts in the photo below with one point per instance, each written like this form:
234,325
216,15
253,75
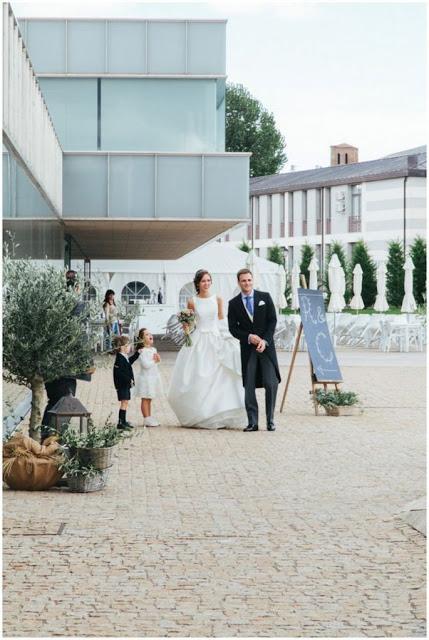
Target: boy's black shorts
124,393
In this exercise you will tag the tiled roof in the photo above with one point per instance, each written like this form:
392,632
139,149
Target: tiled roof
354,173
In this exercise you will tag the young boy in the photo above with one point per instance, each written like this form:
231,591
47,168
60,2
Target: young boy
123,377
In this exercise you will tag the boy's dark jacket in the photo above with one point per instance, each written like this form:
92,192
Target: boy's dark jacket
123,375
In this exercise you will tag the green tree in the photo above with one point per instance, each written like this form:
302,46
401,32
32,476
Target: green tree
244,247
395,274
418,256
250,127
43,336
307,252
361,256
337,247
275,254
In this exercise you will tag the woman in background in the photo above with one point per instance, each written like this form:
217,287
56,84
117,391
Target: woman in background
112,321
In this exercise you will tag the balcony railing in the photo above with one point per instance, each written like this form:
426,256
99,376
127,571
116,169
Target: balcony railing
270,230
355,224
257,231
304,227
328,225
291,229
282,229
318,227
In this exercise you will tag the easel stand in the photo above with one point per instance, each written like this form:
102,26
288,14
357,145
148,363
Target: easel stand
314,381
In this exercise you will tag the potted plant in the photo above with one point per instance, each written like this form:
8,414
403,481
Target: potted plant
339,403
83,478
97,447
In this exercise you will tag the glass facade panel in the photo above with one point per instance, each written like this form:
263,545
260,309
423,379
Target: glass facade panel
179,187
85,186
86,46
45,41
167,47
206,47
158,115
32,238
127,47
226,182
72,103
131,189
21,198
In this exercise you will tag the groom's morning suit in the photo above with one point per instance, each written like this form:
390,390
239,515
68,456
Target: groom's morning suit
258,369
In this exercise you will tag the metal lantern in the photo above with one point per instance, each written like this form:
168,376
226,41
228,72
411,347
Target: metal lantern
69,407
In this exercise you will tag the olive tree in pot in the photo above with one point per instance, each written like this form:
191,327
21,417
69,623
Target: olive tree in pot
44,337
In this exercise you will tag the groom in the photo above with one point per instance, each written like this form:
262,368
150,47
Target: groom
252,320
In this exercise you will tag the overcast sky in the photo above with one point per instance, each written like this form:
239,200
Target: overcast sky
330,72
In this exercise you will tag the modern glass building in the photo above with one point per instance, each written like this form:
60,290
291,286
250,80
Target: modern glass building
114,134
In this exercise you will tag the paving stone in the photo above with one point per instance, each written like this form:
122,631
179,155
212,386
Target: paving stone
199,533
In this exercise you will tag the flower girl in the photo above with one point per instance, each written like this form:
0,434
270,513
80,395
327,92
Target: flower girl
147,379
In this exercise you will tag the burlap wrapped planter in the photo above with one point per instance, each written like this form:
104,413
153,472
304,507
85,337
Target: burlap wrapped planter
30,466
100,457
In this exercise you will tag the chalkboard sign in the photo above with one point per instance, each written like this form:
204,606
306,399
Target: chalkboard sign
320,348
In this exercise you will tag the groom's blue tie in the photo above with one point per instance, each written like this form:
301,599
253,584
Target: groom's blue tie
249,304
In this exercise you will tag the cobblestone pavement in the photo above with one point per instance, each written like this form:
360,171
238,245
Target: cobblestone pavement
222,533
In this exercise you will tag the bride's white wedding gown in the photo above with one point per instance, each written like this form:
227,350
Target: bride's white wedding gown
206,388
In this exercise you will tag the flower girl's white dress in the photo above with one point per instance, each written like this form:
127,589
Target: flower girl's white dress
206,388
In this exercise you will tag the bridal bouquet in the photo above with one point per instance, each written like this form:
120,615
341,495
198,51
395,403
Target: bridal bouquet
186,318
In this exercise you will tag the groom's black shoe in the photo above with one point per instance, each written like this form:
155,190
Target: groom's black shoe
271,426
251,427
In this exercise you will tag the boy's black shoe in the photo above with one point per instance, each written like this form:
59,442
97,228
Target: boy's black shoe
124,426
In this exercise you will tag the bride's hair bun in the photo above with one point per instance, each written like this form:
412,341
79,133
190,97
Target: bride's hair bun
199,276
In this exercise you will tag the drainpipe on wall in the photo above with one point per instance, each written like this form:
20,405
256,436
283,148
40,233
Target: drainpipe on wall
405,214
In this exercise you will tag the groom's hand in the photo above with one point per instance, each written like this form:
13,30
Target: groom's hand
254,339
261,346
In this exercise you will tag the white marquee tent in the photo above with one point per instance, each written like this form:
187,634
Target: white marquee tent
221,260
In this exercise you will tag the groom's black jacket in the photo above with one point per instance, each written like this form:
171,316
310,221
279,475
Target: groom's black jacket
263,325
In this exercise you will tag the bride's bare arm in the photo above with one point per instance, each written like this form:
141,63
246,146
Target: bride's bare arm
220,308
190,304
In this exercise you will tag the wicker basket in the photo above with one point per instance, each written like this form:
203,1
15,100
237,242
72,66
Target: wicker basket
86,484
101,458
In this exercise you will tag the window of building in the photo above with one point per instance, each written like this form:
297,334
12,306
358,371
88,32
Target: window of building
338,158
282,215
328,210
304,213
186,292
355,218
347,158
134,292
270,216
291,213
356,200
319,211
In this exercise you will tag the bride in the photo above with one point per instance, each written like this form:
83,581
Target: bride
206,387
